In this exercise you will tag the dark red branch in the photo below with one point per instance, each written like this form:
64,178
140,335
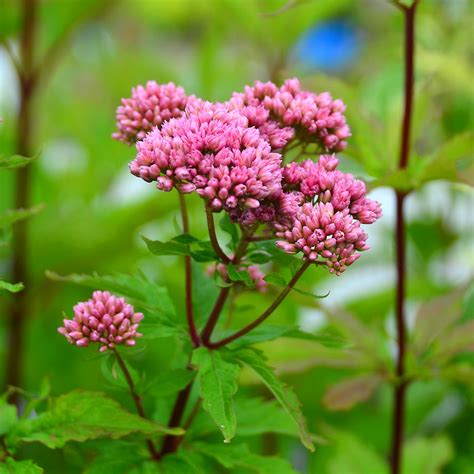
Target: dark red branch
398,421
193,332
213,237
136,399
264,315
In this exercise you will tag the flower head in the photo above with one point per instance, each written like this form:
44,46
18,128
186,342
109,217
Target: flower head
104,319
323,234
296,113
149,107
212,151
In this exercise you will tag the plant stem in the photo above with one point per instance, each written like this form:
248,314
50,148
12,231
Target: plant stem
136,399
18,310
171,443
193,332
264,315
398,421
212,235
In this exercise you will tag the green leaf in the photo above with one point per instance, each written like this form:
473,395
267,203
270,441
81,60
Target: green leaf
239,275
259,256
114,375
270,332
183,462
156,247
204,294
239,456
275,279
15,161
10,217
349,392
425,455
463,373
458,339
11,287
218,379
230,228
185,239
434,317
12,466
353,456
313,295
81,415
285,395
137,288
8,417
169,382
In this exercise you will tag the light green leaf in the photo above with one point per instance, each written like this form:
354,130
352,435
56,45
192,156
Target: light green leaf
12,466
458,339
463,373
349,392
426,455
239,456
156,247
10,217
275,279
15,161
11,287
218,379
82,415
230,228
137,288
8,417
285,395
353,456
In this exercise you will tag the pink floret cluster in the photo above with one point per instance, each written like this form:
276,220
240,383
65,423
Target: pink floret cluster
214,152
149,107
287,112
231,155
104,319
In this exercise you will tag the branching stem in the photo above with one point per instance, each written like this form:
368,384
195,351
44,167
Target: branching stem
213,236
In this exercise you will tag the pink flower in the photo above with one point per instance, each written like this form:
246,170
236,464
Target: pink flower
213,151
323,234
104,319
149,107
312,118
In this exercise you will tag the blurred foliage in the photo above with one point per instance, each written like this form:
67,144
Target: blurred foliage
94,214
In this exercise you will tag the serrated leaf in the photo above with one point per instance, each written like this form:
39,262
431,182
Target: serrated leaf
284,394
218,380
80,416
8,417
11,287
349,392
15,161
426,455
169,382
156,247
137,288
270,332
239,456
11,466
10,217
434,317
275,279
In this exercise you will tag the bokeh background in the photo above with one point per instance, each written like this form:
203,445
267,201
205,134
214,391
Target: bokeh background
95,211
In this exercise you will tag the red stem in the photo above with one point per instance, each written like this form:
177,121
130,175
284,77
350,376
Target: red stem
213,237
136,399
193,332
398,421
264,315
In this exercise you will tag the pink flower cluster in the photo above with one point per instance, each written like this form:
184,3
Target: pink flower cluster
256,275
213,152
105,319
149,107
287,112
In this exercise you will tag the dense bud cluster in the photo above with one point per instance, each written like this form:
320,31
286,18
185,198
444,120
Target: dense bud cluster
104,319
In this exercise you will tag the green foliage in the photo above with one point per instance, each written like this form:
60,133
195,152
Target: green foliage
11,287
80,416
169,382
427,455
12,466
181,245
218,385
255,360
7,417
15,161
10,217
239,456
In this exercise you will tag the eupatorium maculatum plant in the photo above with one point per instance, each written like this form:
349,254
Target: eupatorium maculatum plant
265,162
